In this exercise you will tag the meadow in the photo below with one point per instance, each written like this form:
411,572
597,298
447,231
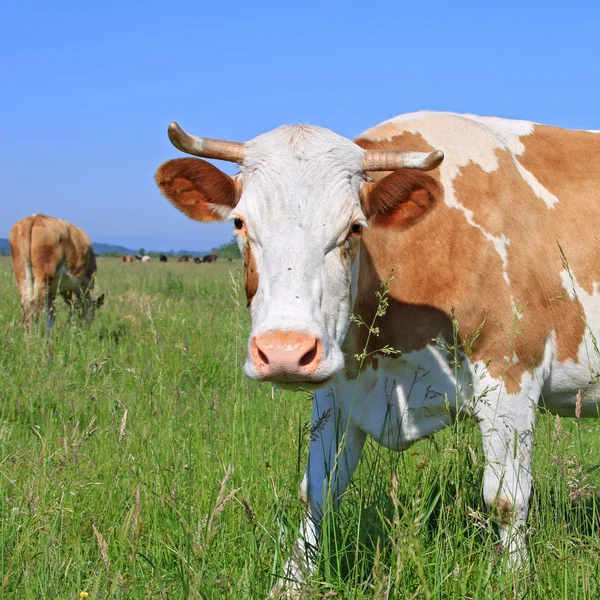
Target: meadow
137,462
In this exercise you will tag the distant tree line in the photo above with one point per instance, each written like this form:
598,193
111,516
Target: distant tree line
229,250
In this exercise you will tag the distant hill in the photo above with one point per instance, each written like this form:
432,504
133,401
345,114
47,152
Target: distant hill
102,249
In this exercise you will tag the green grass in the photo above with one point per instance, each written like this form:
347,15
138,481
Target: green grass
136,462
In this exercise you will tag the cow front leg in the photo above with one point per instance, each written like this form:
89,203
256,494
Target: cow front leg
335,449
50,312
507,424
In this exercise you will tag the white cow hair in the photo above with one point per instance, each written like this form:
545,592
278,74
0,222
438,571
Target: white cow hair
300,197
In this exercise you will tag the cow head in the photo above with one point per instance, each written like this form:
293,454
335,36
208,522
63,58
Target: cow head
298,208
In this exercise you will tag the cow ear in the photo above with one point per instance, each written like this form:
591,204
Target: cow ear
401,199
198,188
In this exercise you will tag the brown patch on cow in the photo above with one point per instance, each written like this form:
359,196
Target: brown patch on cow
567,164
501,201
443,263
504,510
42,246
250,273
197,188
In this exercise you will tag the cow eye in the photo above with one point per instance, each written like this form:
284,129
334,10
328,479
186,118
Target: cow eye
238,223
356,228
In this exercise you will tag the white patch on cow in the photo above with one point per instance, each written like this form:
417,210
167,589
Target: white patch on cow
27,292
539,190
300,197
405,398
567,378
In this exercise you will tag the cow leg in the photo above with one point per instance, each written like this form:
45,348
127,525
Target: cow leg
335,449
68,298
50,312
507,424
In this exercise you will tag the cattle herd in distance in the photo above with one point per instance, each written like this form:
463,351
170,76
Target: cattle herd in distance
184,258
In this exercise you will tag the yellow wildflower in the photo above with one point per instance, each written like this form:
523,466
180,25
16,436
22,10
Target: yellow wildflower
84,595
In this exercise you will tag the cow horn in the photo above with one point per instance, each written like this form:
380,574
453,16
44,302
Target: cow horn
205,147
390,160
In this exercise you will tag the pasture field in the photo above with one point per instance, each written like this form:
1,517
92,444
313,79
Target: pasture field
137,462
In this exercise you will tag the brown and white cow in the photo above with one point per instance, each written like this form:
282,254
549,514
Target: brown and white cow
50,257
502,238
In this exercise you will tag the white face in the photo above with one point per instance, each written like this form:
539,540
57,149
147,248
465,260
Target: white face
294,220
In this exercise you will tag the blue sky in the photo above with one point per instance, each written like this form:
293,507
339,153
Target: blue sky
87,89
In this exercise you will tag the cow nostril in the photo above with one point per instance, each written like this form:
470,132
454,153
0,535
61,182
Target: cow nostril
262,356
310,356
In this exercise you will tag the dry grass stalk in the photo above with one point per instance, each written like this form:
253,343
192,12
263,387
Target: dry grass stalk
223,499
103,547
123,425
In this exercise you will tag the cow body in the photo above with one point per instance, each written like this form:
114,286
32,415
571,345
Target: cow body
489,268
163,258
51,257
209,258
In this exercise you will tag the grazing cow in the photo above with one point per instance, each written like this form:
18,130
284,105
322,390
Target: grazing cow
51,256
162,258
229,260
209,258
127,258
197,260
183,258
145,258
492,270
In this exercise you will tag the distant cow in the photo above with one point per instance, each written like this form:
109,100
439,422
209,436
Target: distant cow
51,256
183,258
209,258
162,258
197,260
138,257
145,258
127,258
230,259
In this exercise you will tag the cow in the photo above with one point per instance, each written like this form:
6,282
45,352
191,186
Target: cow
145,258
209,258
230,259
197,260
163,258
481,277
50,257
127,258
183,258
